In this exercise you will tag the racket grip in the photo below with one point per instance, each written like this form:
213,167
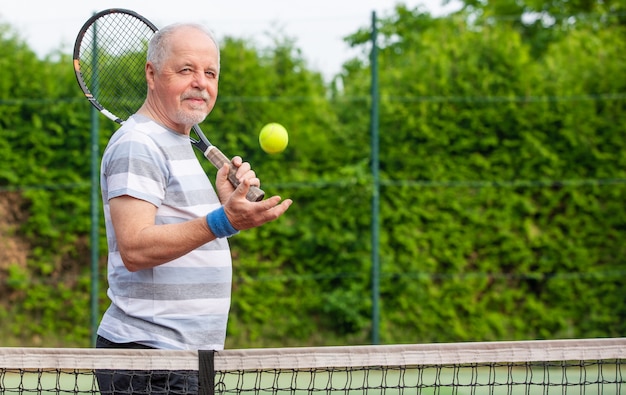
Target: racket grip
215,156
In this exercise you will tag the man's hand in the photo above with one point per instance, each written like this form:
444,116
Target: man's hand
242,213
225,188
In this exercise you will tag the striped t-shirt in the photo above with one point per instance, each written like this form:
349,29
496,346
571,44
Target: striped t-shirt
182,304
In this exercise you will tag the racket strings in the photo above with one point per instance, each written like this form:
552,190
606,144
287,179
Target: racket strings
112,60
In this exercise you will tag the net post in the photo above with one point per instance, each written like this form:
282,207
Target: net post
206,372
375,167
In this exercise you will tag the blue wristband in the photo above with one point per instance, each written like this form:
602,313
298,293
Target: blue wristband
219,224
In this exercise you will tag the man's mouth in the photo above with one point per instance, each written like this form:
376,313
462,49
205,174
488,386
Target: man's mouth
197,98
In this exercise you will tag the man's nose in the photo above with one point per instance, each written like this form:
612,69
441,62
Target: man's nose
200,80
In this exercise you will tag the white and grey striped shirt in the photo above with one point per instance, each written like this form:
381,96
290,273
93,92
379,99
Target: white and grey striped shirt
182,304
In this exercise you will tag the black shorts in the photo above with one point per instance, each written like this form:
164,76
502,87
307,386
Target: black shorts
118,382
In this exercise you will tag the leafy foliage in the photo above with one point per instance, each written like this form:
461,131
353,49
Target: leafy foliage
502,187
485,153
43,148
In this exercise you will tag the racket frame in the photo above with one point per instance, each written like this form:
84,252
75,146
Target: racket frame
201,143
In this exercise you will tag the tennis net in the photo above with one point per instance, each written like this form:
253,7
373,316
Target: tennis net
587,366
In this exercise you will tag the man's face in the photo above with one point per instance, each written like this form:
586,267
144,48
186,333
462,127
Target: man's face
183,92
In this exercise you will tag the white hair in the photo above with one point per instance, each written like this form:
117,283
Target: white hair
158,48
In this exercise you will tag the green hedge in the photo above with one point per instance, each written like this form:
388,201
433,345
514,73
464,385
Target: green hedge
502,189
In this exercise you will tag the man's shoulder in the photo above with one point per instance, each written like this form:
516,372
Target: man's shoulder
142,130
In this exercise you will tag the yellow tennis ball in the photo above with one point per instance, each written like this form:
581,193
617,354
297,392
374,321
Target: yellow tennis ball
273,138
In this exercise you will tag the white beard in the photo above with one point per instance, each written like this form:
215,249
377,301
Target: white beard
190,118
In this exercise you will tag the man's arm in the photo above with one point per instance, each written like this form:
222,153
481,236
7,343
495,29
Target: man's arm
143,244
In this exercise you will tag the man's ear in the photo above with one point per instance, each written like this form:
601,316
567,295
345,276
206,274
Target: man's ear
150,72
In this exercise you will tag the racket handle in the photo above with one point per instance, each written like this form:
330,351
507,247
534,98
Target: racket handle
215,156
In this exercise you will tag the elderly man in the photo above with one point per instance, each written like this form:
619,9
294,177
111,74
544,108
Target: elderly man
169,263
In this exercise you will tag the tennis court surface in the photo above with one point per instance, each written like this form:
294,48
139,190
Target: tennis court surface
586,366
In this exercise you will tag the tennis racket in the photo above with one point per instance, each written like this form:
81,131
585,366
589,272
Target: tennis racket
109,63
